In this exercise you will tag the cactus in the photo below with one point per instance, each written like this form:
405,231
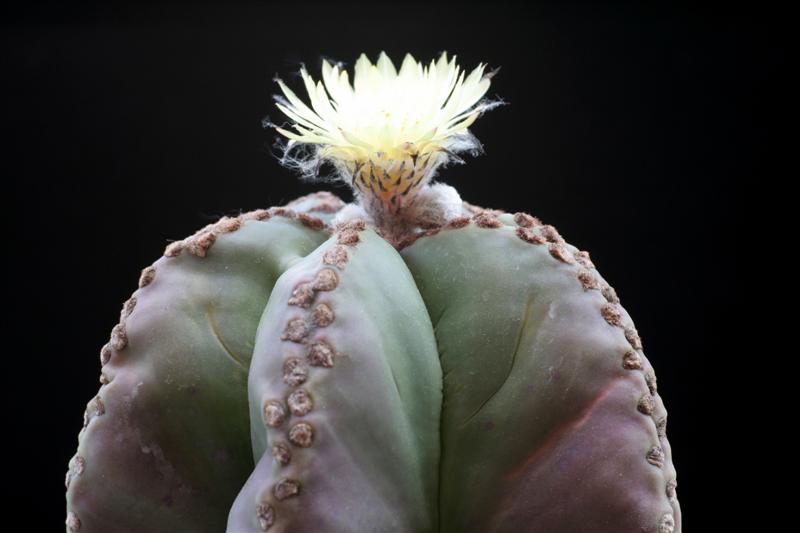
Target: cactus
407,362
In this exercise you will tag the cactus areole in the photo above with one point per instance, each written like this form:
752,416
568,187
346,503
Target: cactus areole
406,362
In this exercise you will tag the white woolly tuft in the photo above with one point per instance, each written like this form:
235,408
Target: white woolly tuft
350,212
448,199
435,205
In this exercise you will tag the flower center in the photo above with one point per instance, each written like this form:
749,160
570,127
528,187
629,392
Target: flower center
393,178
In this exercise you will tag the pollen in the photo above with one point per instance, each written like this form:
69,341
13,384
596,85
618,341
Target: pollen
388,132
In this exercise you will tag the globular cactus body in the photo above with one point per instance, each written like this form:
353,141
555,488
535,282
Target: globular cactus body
408,362
516,397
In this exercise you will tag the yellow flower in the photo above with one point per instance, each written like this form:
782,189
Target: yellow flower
388,132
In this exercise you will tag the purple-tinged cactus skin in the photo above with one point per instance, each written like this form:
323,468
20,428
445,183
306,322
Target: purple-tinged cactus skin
165,440
435,366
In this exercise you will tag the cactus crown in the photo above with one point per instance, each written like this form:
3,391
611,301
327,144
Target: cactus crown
387,133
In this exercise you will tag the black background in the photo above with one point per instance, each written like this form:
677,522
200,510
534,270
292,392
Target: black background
628,128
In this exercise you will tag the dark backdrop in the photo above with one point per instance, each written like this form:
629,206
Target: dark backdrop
627,128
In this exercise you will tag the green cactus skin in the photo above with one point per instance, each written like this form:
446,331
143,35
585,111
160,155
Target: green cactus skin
540,426
483,378
370,367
